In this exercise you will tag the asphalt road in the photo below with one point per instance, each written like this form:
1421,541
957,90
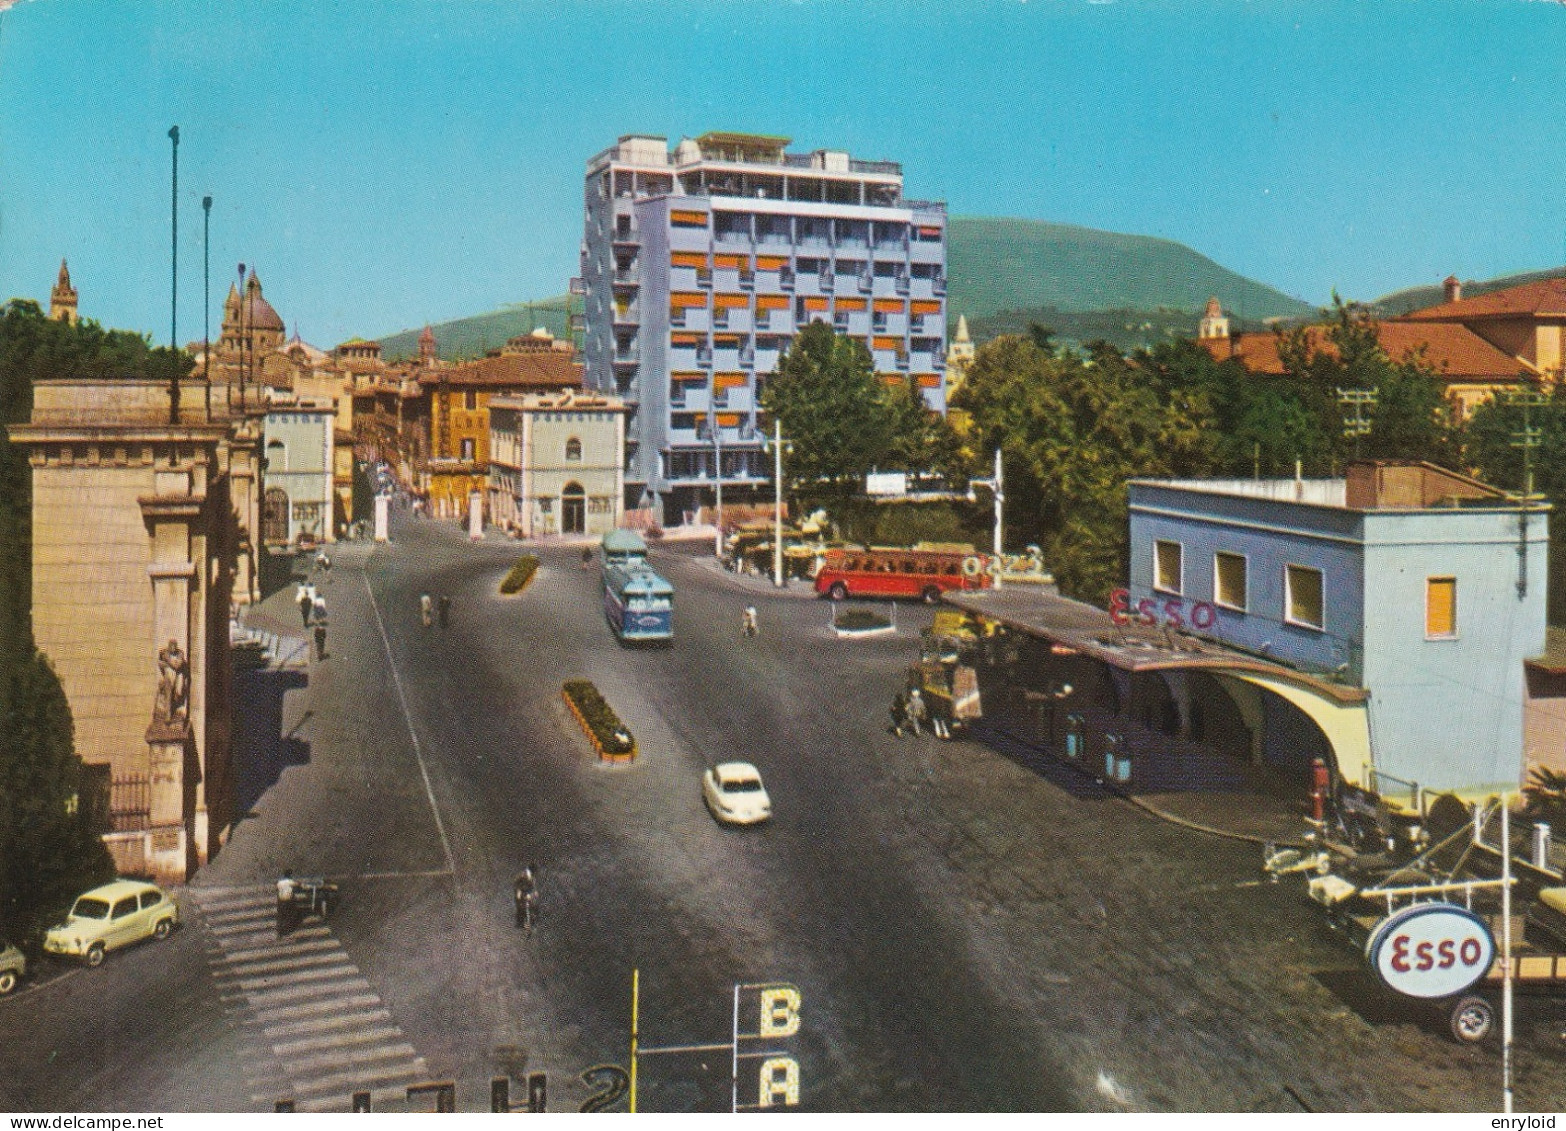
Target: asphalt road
969,929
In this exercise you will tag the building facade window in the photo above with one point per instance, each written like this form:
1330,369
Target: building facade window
1302,596
1230,580
470,399
1440,608
467,449
573,449
1168,566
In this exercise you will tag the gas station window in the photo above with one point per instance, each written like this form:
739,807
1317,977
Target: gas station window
1302,596
1440,608
1229,580
1168,566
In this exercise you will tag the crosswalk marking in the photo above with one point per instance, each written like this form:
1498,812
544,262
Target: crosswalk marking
324,1030
321,1024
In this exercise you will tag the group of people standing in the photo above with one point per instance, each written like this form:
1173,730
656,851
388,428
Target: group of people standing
429,608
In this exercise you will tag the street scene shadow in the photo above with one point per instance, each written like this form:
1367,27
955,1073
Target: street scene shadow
1063,775
262,748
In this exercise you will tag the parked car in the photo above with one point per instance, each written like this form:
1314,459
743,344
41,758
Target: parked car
12,966
110,917
735,794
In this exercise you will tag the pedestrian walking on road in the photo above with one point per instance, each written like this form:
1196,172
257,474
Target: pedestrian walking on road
587,558
285,904
319,608
320,639
424,608
445,610
305,604
899,713
916,711
524,891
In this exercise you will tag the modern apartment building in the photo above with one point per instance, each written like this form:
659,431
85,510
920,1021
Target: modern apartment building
699,263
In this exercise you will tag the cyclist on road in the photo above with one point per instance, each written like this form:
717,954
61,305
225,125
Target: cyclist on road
749,626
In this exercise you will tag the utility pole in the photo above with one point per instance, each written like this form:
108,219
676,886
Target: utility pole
1357,426
174,278
997,486
1527,439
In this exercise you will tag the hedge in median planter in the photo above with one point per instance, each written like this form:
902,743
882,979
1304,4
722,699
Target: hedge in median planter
858,620
520,575
603,726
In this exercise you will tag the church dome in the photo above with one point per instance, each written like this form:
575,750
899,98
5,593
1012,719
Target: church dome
258,312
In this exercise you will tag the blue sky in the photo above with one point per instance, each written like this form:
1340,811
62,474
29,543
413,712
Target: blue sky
390,164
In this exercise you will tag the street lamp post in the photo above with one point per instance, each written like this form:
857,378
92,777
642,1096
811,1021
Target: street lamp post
717,479
206,296
174,277
777,445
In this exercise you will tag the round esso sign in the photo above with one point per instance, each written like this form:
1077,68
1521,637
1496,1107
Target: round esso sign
1431,950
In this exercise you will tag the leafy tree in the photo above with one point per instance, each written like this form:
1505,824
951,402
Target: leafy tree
844,422
1072,430
827,398
1410,417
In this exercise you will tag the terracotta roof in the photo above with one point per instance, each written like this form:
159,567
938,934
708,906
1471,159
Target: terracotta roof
543,370
1546,298
1454,351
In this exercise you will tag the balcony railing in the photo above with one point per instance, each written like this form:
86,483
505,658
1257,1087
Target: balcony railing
703,277
786,278
940,284
747,279
578,287
867,283
902,284
825,281
627,277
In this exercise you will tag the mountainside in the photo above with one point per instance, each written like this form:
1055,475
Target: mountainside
1417,298
472,336
996,264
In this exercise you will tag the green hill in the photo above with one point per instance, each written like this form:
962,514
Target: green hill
996,265
1417,298
472,336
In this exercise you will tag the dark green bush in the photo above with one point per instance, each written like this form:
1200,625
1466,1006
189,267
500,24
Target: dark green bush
606,726
520,575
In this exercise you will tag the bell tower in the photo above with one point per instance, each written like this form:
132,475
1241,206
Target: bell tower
62,299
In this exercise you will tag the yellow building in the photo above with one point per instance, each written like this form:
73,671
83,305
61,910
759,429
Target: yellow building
134,547
451,427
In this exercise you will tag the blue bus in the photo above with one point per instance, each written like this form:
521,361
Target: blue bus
638,603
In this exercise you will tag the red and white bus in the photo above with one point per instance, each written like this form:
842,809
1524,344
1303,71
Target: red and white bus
925,574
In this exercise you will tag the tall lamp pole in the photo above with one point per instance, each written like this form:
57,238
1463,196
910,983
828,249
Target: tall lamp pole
174,278
777,444
717,478
206,296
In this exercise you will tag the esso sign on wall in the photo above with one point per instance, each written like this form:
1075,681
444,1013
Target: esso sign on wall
1431,950
1171,612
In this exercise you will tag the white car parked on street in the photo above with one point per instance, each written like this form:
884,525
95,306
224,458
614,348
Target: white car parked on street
734,793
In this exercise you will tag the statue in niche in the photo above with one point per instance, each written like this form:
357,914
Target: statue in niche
173,684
